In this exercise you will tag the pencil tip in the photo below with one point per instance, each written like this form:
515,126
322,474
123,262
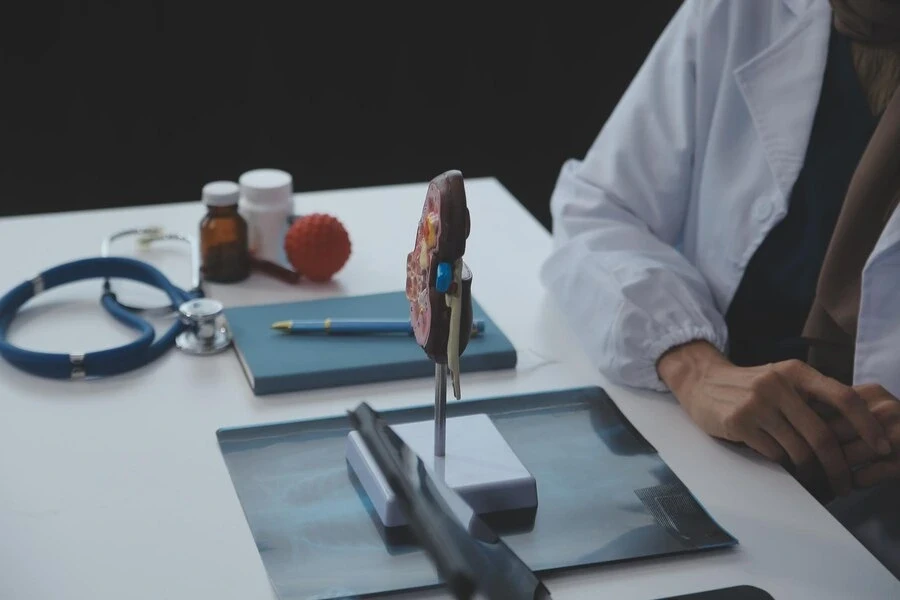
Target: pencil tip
281,325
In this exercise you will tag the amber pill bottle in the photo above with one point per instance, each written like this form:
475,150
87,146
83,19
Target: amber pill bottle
224,247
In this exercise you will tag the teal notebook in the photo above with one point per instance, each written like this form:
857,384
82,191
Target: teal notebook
275,362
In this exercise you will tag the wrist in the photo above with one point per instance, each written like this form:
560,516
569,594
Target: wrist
680,367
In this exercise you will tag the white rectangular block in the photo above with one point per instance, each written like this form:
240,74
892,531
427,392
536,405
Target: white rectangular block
478,464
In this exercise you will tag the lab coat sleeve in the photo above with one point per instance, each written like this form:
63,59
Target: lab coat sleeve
617,217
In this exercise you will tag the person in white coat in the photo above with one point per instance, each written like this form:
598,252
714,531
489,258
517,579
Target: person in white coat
731,237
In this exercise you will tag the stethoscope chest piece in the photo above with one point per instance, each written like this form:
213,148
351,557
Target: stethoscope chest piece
207,332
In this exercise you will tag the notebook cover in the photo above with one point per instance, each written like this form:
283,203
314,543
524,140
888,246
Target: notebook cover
275,362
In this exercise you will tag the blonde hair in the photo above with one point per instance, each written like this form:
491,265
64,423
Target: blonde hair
878,70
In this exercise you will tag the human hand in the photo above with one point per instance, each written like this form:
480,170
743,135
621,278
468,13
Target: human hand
768,408
869,468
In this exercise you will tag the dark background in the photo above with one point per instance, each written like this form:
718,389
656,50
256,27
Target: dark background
143,103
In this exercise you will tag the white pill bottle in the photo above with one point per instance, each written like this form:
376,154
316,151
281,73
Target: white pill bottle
267,204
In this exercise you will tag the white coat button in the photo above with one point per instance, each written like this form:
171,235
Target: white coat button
763,209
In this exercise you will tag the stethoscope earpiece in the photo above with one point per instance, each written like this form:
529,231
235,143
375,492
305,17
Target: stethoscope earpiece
145,237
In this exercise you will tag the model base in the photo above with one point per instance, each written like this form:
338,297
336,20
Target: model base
478,464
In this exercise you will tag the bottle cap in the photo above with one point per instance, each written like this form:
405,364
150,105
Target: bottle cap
221,193
267,187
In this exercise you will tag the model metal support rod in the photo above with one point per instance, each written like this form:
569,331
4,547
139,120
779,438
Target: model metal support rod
440,408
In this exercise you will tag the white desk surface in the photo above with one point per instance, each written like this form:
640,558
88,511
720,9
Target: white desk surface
116,489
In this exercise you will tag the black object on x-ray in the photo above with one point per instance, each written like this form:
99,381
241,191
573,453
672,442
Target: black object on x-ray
467,554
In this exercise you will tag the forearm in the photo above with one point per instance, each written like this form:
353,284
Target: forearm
681,367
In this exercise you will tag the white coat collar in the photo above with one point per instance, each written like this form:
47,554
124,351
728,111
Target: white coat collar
781,86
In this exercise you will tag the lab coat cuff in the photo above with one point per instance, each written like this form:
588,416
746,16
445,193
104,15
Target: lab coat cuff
677,338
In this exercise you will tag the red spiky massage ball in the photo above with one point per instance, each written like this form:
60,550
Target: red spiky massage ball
317,246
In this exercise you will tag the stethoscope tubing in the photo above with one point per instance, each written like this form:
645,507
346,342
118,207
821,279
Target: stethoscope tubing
111,361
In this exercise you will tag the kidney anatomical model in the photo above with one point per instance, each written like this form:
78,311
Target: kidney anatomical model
438,282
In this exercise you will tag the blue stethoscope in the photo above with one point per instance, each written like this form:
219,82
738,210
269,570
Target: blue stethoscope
198,329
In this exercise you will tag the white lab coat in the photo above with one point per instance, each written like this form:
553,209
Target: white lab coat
654,227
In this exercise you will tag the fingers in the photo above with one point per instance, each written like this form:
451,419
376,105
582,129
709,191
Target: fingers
858,452
802,465
877,472
887,412
787,437
872,392
845,399
845,432
763,443
822,440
